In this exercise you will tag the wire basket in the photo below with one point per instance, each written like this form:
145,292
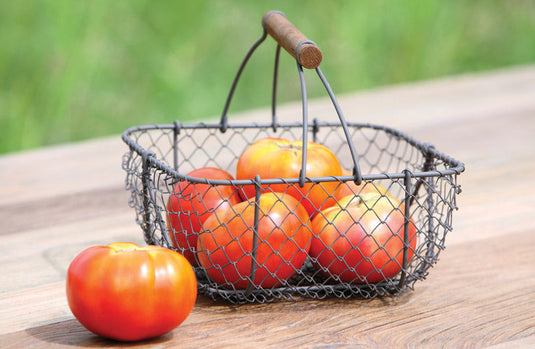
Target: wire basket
259,241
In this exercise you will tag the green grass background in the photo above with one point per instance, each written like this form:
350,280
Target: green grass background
72,70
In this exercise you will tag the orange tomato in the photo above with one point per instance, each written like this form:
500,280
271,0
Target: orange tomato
361,240
225,246
281,158
128,293
190,204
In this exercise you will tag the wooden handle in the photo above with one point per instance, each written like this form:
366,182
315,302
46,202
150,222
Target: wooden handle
288,36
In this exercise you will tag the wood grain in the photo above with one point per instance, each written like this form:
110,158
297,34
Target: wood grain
289,37
445,311
60,209
480,294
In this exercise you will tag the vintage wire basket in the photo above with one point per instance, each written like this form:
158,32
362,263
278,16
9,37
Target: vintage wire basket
249,251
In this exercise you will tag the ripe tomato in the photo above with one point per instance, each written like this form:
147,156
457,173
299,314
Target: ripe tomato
126,292
280,158
361,239
225,246
190,204
350,188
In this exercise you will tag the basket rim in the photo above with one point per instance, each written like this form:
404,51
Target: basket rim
456,166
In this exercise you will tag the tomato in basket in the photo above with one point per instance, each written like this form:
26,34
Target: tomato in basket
351,188
280,158
128,293
361,240
190,204
225,246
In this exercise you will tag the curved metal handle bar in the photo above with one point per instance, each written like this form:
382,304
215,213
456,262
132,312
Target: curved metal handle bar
304,147
224,118
274,91
356,168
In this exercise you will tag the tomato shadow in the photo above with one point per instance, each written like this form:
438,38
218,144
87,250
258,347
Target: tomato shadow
72,333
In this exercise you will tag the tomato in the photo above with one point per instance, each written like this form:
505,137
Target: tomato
190,204
128,293
361,239
225,245
350,188
280,158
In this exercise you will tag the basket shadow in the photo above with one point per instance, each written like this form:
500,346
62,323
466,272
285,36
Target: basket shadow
300,304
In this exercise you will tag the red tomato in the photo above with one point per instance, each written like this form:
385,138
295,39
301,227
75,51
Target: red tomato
128,293
191,204
350,188
280,158
361,241
225,245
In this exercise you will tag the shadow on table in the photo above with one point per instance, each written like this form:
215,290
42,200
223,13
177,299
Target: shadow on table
72,333
208,315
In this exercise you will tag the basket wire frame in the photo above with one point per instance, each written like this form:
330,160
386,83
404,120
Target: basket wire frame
423,179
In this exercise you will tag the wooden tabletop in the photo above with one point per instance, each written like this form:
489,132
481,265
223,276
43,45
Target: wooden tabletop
57,201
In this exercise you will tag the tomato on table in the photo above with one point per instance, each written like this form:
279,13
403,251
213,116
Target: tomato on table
127,292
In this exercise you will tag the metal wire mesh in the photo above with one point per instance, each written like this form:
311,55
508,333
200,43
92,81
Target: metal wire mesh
413,172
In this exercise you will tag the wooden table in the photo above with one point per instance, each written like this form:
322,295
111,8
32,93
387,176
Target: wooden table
56,201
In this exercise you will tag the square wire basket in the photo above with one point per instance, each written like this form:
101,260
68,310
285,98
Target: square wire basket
422,181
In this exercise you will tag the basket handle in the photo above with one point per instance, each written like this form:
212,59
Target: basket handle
288,36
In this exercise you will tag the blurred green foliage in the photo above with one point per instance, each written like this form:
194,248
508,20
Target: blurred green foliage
71,70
